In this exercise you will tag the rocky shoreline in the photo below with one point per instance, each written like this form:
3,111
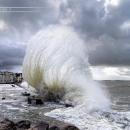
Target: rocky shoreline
17,107
7,124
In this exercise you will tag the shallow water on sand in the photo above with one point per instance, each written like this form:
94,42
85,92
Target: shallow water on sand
15,107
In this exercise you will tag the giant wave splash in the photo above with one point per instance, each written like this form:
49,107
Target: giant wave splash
57,59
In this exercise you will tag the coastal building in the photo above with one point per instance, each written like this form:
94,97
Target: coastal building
10,77
18,77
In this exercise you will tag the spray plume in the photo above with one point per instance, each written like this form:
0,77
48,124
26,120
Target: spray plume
57,59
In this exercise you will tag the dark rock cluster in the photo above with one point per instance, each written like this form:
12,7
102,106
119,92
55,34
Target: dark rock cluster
35,100
39,100
26,94
7,124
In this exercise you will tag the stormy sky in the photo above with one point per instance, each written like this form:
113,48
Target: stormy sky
103,24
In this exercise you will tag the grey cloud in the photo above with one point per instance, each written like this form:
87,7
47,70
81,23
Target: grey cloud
20,27
93,22
11,56
32,21
106,55
111,52
88,17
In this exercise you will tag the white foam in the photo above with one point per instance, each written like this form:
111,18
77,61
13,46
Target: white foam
57,58
97,120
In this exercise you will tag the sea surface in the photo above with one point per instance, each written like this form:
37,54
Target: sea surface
14,106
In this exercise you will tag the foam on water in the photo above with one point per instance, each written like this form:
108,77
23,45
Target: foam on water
57,59
96,120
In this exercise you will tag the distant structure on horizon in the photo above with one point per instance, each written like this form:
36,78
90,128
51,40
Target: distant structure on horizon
10,77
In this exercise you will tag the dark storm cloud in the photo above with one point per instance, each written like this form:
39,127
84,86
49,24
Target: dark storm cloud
41,13
19,26
115,47
110,55
105,25
11,56
101,26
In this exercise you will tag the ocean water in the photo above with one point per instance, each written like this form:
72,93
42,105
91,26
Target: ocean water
120,97
117,118
15,107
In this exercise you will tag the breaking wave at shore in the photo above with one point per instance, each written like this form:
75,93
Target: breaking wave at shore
56,60
96,120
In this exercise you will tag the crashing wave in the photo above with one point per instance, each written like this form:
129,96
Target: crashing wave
57,61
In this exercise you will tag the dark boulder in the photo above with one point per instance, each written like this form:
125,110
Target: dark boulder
3,98
53,94
6,124
68,105
70,127
35,100
25,94
54,128
52,97
13,85
41,126
24,124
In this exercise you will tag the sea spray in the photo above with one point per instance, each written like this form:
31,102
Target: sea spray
56,58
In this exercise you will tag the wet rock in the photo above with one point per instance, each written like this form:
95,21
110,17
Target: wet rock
41,126
7,125
52,97
69,105
3,98
70,127
35,100
24,124
13,85
54,128
54,94
25,94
